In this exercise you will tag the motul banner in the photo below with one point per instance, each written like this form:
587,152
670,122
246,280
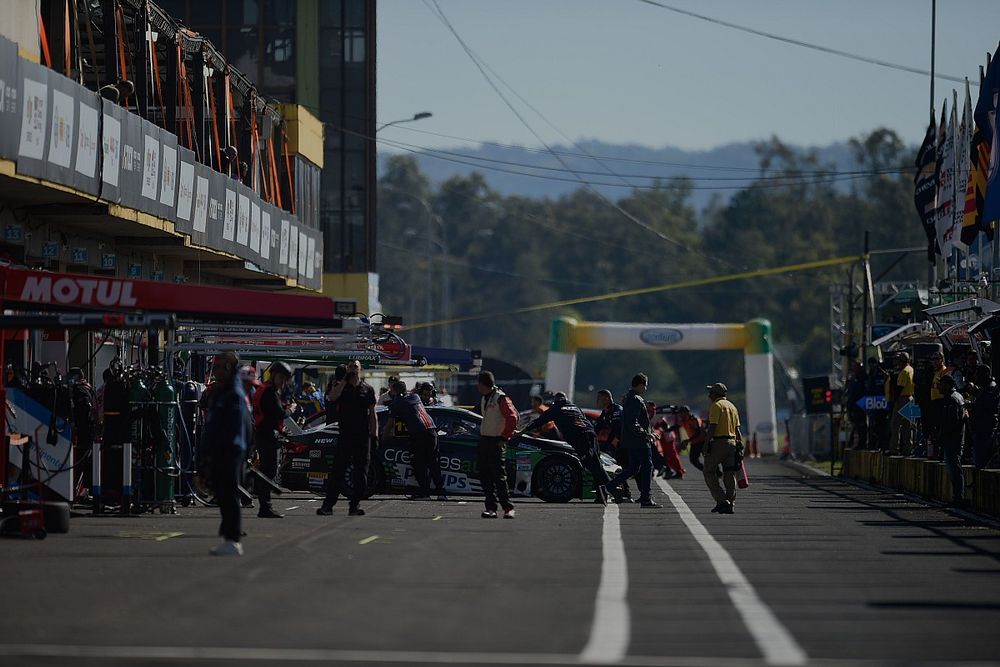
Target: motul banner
70,290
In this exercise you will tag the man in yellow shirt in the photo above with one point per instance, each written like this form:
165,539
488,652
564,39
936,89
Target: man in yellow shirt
899,392
723,447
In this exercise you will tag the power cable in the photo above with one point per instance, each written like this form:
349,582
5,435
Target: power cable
609,158
590,185
681,246
804,44
744,179
485,269
697,282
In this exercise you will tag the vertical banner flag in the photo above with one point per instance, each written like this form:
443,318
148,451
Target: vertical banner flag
963,163
986,115
925,184
975,191
945,182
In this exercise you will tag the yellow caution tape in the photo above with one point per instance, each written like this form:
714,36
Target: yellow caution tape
698,282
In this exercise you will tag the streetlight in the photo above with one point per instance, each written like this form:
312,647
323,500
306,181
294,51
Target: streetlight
417,116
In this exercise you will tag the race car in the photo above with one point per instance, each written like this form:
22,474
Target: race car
546,469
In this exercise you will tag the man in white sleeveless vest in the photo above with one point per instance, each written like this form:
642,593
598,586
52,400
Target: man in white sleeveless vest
499,422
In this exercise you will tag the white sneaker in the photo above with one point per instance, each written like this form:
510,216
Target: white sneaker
508,514
228,548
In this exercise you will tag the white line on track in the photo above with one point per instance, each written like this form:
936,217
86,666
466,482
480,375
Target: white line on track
775,642
609,635
293,507
200,654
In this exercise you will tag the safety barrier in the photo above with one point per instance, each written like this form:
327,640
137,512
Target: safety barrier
925,478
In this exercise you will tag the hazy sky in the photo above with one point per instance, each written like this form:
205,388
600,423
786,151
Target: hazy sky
623,71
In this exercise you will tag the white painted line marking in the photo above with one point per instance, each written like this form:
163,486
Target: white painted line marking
368,540
437,518
301,655
293,507
611,630
775,642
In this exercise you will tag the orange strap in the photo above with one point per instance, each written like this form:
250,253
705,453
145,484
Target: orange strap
273,173
67,41
253,145
44,39
288,169
120,23
215,123
231,110
156,73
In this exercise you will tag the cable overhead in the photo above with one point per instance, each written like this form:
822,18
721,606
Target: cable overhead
828,172
788,181
609,158
698,282
441,15
806,45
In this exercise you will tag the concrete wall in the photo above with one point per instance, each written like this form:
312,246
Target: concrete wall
928,479
19,23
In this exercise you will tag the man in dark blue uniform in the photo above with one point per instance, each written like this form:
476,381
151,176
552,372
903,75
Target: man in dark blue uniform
269,420
358,428
579,433
408,410
223,449
637,439
609,435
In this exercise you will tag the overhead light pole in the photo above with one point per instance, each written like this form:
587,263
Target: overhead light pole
417,116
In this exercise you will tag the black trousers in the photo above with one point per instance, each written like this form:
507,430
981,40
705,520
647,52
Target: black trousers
427,461
352,450
491,457
267,454
640,465
226,472
586,449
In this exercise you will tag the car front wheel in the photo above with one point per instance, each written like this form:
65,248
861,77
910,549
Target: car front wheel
557,480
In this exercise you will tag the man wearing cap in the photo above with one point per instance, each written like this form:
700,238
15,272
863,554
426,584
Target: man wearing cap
269,420
637,439
579,433
723,447
899,391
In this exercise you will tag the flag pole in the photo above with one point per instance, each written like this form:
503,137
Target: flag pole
932,268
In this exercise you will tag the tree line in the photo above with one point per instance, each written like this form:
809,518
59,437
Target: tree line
459,249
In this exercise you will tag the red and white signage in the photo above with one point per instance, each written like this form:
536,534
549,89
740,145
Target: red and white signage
71,290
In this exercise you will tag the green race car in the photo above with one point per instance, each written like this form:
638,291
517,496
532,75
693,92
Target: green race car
546,469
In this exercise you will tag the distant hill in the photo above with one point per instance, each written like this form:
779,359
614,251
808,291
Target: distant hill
718,171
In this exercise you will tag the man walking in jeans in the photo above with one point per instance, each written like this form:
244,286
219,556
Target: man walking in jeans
499,422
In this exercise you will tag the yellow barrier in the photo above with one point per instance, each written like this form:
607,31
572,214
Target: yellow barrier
928,479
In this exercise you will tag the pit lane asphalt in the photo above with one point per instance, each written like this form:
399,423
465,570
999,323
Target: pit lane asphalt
855,576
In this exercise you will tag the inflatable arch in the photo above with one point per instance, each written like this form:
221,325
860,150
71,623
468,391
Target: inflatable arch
754,338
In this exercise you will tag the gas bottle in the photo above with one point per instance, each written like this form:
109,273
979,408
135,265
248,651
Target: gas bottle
188,394
165,437
139,437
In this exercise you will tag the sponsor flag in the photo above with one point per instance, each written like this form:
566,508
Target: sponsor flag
963,141
986,116
975,189
925,184
944,215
